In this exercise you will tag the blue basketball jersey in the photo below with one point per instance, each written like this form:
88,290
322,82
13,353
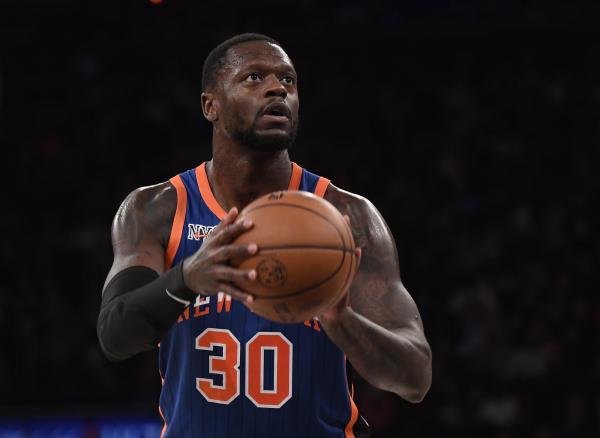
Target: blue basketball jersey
227,372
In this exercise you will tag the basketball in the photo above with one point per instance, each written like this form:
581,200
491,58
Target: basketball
305,259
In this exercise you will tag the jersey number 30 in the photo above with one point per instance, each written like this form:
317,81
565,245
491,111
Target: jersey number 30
227,364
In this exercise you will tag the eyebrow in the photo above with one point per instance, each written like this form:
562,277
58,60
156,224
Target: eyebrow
257,65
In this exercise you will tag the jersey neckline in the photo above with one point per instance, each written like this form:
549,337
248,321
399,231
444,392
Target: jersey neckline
212,203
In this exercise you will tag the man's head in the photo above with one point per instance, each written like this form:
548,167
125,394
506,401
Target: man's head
249,92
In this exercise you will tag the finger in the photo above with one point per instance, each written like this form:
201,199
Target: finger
228,219
250,305
358,255
230,232
347,219
236,293
227,273
237,253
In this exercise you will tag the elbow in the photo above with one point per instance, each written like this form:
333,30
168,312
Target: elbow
414,382
104,341
421,380
107,330
124,332
417,394
108,354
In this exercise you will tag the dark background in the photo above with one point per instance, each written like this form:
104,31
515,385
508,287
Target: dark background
472,126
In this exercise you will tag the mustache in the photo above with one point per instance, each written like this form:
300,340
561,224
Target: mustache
276,107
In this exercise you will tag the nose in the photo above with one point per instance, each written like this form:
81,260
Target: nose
274,87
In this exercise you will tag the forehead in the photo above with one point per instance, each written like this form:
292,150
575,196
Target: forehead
256,52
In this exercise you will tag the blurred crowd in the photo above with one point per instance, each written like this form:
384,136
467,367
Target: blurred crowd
476,132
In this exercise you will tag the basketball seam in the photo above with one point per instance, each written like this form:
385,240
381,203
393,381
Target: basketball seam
313,286
299,246
285,204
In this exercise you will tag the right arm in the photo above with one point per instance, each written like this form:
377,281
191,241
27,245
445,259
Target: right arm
140,301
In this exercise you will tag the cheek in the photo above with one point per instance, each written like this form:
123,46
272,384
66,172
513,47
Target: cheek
244,108
295,106
233,112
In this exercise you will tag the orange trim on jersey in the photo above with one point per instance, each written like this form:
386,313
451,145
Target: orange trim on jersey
212,203
296,177
206,192
321,186
178,221
348,432
164,429
353,417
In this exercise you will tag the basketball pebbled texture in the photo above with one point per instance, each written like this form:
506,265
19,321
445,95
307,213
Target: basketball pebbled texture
305,259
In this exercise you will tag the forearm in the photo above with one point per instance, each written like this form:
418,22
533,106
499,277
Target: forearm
136,311
398,361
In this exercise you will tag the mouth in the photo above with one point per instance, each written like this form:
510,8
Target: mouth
277,112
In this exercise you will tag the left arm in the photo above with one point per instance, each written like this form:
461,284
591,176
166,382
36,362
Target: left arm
381,334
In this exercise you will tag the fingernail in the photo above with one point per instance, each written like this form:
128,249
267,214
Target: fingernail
249,298
247,223
252,275
252,248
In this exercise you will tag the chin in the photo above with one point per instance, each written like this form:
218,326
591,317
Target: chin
274,142
263,141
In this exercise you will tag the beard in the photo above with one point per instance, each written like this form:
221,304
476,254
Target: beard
267,142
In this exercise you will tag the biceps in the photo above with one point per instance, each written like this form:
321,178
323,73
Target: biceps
386,303
148,254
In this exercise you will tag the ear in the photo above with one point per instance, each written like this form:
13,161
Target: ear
209,106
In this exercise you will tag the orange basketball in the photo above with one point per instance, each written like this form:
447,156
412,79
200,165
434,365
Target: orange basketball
305,258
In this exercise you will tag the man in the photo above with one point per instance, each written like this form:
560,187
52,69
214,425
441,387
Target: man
226,371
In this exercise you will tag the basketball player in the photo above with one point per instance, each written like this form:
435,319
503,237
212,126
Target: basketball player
227,372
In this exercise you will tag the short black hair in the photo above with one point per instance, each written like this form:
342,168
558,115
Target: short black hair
215,60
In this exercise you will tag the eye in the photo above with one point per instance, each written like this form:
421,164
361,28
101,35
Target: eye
288,80
252,77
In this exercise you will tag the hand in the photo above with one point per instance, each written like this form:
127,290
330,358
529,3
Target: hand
208,271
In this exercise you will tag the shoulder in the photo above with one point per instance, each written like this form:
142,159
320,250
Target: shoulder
346,201
141,228
149,208
365,220
159,198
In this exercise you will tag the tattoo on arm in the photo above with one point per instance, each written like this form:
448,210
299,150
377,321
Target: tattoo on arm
141,228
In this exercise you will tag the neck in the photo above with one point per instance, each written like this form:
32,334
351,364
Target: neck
238,176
